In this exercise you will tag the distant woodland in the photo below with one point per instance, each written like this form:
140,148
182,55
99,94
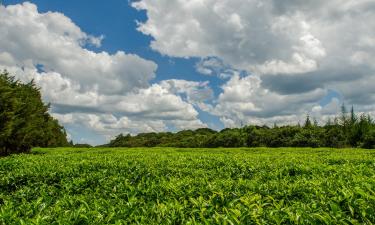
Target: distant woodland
26,123
346,130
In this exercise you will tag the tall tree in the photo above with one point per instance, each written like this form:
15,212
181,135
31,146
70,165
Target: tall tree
344,117
307,122
25,121
353,117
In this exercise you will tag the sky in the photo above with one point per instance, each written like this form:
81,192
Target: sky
119,66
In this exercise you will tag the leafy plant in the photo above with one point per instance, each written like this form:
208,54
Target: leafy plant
188,186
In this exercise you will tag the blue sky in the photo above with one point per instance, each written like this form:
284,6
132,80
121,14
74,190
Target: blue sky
117,22
171,65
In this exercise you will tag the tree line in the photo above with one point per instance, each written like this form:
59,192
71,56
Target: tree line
346,130
24,118
26,123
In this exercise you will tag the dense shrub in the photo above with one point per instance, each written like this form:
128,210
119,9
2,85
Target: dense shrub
369,140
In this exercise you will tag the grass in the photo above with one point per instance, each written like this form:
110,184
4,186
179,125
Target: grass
188,186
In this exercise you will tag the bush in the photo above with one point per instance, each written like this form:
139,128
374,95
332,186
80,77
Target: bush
369,140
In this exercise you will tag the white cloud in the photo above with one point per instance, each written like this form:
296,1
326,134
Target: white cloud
158,102
280,59
245,101
52,40
245,37
196,92
106,93
296,51
109,125
214,66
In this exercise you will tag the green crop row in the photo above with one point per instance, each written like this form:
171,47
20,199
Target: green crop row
188,186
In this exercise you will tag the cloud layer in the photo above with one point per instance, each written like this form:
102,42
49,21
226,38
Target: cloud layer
294,52
276,61
107,93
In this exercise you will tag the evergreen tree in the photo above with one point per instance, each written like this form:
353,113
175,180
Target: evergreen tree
343,115
316,124
353,117
25,121
307,122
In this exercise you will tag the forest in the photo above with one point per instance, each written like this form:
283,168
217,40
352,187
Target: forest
346,130
24,119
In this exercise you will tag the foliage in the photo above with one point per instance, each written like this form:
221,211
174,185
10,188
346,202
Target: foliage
24,118
369,140
81,146
346,131
188,186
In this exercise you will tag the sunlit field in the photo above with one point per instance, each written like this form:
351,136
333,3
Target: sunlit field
188,186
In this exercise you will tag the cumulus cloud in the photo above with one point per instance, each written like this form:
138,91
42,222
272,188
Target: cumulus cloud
250,37
277,61
210,66
245,101
107,93
155,108
294,50
214,66
52,40
108,125
195,92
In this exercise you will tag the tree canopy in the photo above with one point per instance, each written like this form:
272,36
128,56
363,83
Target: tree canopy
24,118
346,131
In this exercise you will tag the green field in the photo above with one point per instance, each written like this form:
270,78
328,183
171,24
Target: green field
188,186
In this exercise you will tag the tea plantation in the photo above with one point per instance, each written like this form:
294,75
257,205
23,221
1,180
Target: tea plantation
188,186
